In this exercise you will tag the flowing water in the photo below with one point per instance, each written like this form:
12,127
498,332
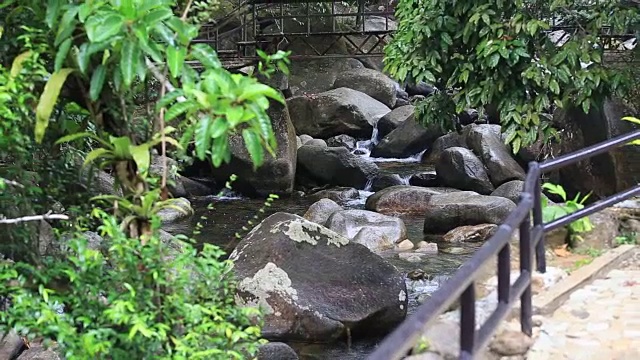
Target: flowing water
221,217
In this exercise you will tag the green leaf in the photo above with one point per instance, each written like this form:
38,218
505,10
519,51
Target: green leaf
142,156
203,137
253,145
17,65
129,62
81,135
53,8
177,110
553,86
175,59
206,56
62,53
83,56
95,154
155,16
97,82
103,26
254,91
48,100
493,60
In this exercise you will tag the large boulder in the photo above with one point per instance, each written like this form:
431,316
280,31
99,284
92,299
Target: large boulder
304,277
337,194
10,345
408,139
371,82
448,211
395,118
335,112
386,180
312,76
320,211
403,199
335,166
501,166
444,142
373,230
343,140
276,351
510,190
277,174
460,168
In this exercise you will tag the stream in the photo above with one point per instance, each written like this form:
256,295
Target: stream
220,217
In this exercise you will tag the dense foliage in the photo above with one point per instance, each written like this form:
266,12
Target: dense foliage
501,54
104,84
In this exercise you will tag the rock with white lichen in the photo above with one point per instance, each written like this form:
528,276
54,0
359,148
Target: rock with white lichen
313,284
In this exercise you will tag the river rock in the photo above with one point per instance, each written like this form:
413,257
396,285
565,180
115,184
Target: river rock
276,175
408,139
384,181
425,179
10,345
276,351
448,211
605,230
405,245
312,76
395,118
181,210
373,230
444,142
304,138
501,166
371,82
338,194
194,187
335,112
316,142
38,351
305,278
403,199
470,233
460,168
343,140
420,88
335,166
320,211
510,190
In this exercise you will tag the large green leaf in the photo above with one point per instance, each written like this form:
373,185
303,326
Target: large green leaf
203,137
175,59
48,100
141,155
102,26
206,56
252,142
96,154
61,55
53,8
129,62
97,82
17,65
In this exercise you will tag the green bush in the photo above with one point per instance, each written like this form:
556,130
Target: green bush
134,300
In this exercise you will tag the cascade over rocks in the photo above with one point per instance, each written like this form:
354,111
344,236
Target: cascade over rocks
460,168
335,166
501,166
403,199
409,138
448,211
276,175
305,278
336,112
373,230
371,82
395,118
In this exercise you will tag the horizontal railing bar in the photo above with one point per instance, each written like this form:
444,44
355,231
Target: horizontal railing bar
501,312
593,208
400,341
589,152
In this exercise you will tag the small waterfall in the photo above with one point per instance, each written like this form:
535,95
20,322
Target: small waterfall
369,185
405,179
364,147
411,159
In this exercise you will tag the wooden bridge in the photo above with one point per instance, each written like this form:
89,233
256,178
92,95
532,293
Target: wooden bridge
318,28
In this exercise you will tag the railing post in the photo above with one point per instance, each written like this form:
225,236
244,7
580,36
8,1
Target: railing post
525,270
468,322
504,274
541,262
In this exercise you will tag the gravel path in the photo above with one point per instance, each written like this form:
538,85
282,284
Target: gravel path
599,321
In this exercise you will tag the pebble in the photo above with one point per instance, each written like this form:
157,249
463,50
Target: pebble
404,245
427,248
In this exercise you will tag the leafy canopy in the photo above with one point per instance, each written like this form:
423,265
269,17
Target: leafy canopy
500,53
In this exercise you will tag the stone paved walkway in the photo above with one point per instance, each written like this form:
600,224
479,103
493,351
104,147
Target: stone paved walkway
601,321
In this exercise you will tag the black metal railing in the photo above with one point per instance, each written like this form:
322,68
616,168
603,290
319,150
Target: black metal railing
527,218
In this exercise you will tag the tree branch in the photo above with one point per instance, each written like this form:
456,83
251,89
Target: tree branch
47,216
12,183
